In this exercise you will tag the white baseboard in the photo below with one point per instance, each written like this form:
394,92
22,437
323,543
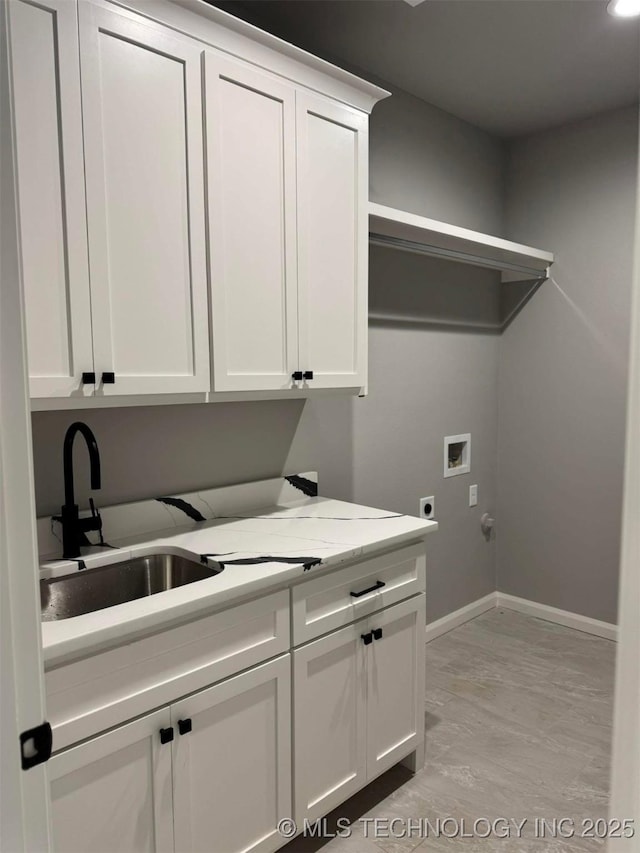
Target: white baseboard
459,617
561,617
532,608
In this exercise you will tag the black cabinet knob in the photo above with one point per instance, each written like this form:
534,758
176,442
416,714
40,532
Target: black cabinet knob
166,735
108,378
377,633
297,376
367,638
184,726
88,377
308,374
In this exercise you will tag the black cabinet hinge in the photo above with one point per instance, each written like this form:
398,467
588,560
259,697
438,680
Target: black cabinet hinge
35,745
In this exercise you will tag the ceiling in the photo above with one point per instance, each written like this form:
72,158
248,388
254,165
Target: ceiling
511,67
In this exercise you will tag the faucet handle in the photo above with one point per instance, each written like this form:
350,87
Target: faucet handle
94,522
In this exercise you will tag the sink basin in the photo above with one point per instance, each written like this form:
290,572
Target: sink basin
94,589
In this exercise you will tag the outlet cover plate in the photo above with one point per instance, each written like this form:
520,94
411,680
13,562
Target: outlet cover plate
427,507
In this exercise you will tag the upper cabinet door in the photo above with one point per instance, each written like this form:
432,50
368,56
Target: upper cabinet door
332,142
250,131
50,167
142,107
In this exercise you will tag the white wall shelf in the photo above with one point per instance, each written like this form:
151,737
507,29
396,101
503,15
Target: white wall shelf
409,232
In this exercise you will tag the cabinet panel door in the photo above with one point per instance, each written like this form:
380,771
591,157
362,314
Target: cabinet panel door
232,771
114,792
142,103
332,146
50,166
250,130
395,684
330,723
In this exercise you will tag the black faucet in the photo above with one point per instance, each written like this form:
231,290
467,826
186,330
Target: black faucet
74,527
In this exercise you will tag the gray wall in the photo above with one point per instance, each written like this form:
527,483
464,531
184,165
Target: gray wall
434,376
429,162
563,367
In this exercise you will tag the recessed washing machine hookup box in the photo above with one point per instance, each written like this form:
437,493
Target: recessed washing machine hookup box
457,454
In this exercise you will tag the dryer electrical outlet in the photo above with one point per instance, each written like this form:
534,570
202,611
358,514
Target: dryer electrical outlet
427,507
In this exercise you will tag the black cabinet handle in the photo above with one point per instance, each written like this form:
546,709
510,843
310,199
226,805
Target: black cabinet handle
184,726
108,378
166,735
88,377
367,638
377,633
308,374
297,376
377,585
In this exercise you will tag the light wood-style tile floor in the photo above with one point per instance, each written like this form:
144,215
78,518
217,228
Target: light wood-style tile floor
518,726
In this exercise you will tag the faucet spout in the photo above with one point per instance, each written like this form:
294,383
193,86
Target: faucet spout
73,527
94,459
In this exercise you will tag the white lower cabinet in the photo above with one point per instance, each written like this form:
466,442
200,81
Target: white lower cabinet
232,770
216,770
209,774
358,705
114,792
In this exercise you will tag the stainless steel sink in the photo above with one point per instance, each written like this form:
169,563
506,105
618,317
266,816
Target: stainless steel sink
88,590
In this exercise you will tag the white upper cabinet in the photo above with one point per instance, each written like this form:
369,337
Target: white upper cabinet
142,107
250,131
288,234
48,127
193,216
332,150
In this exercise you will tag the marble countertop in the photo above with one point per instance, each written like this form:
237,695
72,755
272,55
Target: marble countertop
259,551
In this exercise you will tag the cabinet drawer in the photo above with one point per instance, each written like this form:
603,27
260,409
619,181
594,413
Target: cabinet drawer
334,600
103,690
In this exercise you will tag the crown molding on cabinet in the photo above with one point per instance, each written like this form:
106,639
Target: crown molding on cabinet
214,27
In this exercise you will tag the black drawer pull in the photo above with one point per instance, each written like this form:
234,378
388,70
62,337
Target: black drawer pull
377,585
297,376
377,633
166,735
184,726
367,638
308,374
88,377
108,378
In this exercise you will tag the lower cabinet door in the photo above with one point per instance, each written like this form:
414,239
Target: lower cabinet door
232,762
330,723
395,684
113,793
